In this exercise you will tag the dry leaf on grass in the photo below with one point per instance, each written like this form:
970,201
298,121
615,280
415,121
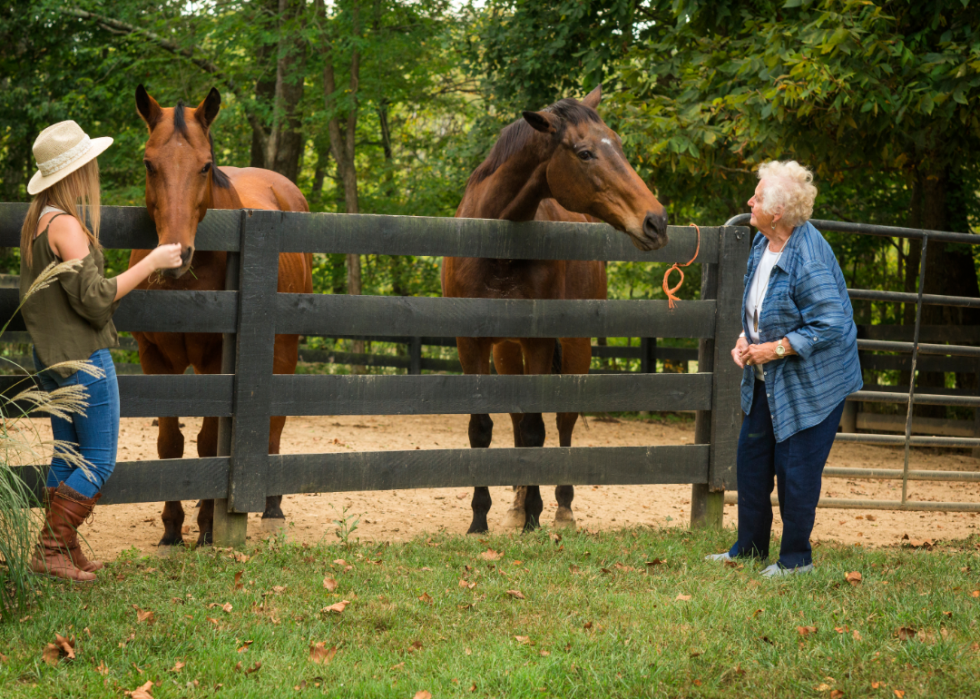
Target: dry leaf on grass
854,577
142,692
416,645
245,647
320,654
822,687
102,669
491,555
516,594
278,589
856,635
178,666
422,694
426,598
238,581
330,584
806,630
144,615
212,620
899,693
337,608
467,585
62,646
682,598
254,668
545,654
523,639
906,633
226,606
836,694
975,593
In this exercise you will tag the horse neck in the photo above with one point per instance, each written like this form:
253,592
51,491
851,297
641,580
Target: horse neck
514,191
223,198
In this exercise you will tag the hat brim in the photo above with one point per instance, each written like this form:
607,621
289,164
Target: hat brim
39,182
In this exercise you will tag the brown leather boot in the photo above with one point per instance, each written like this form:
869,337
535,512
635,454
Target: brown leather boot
65,510
81,507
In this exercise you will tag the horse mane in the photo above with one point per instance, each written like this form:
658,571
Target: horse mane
515,137
219,178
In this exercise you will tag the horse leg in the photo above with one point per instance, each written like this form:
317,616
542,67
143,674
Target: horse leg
538,357
170,445
576,359
508,359
273,503
474,356
207,445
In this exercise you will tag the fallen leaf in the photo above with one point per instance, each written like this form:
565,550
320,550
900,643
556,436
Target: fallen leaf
278,589
426,598
517,594
245,647
573,568
241,557
142,692
254,668
854,578
975,593
899,693
822,687
473,688
61,647
545,654
178,666
399,666
806,630
656,562
906,633
491,555
523,639
587,625
238,581
144,616
856,635
102,669
682,598
422,694
330,584
836,694
416,645
320,654
337,608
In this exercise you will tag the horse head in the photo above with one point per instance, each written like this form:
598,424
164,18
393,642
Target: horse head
180,169
588,172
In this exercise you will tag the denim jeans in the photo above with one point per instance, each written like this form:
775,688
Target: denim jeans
797,465
96,432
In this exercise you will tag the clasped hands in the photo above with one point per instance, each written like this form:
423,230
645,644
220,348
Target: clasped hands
745,354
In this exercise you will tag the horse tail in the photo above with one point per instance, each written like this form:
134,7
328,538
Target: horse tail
556,358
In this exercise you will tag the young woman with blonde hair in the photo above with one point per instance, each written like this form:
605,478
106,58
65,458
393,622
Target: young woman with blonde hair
69,322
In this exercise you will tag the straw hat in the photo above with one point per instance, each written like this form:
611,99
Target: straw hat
61,149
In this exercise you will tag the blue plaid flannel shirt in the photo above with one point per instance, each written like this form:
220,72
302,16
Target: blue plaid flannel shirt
807,303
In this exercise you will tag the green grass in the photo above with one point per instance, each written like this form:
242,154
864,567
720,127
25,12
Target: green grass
584,632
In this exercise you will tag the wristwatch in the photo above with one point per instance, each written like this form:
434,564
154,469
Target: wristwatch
780,350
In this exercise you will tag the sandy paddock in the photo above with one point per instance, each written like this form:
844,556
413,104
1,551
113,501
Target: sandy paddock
400,515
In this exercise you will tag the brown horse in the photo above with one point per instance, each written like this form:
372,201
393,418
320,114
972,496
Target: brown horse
545,166
182,183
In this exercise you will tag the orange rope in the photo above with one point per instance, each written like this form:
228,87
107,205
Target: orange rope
667,290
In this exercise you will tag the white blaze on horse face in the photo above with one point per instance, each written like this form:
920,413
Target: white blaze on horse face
607,141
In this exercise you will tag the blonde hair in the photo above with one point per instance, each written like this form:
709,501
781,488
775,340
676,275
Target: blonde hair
79,189
789,190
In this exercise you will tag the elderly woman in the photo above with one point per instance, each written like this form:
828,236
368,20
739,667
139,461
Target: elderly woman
800,360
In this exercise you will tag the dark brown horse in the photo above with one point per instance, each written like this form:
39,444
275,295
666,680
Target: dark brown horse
182,183
559,164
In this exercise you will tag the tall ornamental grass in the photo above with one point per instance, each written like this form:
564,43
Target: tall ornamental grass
22,447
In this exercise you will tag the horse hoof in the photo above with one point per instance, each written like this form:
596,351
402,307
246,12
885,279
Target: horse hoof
478,529
273,514
564,519
515,519
176,540
273,526
531,525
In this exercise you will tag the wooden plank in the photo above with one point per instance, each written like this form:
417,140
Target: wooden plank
461,468
160,395
156,311
924,362
437,394
369,234
726,408
128,227
255,338
316,314
154,481
874,422
953,334
704,513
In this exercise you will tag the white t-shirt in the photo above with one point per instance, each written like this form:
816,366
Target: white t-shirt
757,294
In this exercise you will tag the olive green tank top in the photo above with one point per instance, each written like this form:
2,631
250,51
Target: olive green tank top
72,317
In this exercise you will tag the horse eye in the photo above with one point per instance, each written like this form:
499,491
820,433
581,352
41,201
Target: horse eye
149,167
206,167
585,155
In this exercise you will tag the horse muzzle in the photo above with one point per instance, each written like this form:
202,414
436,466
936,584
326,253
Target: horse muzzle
186,257
653,233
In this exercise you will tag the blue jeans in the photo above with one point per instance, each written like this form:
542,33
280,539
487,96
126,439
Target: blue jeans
96,433
797,465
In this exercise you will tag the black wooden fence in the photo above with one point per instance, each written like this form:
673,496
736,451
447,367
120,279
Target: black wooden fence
246,394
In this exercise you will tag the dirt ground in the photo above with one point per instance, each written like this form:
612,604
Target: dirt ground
400,515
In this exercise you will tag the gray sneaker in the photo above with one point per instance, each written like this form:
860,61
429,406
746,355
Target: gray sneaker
775,571
719,557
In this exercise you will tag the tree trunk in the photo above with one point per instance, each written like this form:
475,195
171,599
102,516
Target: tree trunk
265,87
290,72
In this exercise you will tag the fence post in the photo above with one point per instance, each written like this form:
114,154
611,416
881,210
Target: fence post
648,355
415,355
254,350
848,419
230,528
719,426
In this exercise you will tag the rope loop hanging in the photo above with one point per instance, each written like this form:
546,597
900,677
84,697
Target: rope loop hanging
671,298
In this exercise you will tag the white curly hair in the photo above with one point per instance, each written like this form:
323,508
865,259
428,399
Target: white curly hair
788,189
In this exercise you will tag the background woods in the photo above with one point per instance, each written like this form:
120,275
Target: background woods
386,106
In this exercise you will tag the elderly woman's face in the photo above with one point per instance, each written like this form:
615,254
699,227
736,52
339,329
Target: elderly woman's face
760,219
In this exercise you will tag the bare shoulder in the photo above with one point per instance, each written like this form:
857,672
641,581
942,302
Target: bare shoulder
66,238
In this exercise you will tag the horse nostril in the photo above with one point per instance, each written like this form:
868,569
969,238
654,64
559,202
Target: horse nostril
186,254
655,224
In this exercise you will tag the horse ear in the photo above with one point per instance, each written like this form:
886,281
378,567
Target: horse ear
545,122
207,110
147,107
593,98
